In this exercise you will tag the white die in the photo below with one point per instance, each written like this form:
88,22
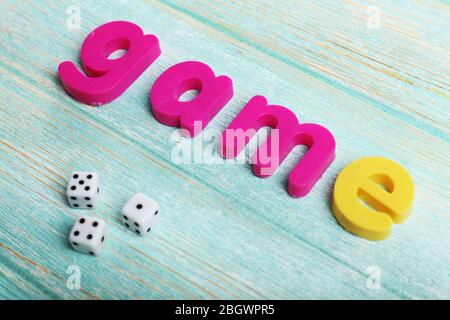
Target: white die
140,214
87,235
82,190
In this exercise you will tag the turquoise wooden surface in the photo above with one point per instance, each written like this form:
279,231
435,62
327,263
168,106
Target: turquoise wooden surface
381,87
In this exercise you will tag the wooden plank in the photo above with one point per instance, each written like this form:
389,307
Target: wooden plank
404,78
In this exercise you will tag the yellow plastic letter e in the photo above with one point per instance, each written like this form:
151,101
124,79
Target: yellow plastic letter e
370,194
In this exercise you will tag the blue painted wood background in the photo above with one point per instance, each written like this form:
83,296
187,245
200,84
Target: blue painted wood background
380,85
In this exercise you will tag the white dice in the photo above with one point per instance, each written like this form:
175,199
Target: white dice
82,190
140,214
87,235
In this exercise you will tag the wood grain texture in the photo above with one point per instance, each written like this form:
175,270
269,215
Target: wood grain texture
224,232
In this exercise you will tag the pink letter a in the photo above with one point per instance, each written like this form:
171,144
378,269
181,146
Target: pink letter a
214,93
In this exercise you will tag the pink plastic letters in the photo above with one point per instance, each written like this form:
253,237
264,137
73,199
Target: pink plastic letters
256,114
214,93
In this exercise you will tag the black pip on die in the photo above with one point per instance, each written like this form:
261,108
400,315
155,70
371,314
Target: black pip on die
82,190
88,235
140,214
